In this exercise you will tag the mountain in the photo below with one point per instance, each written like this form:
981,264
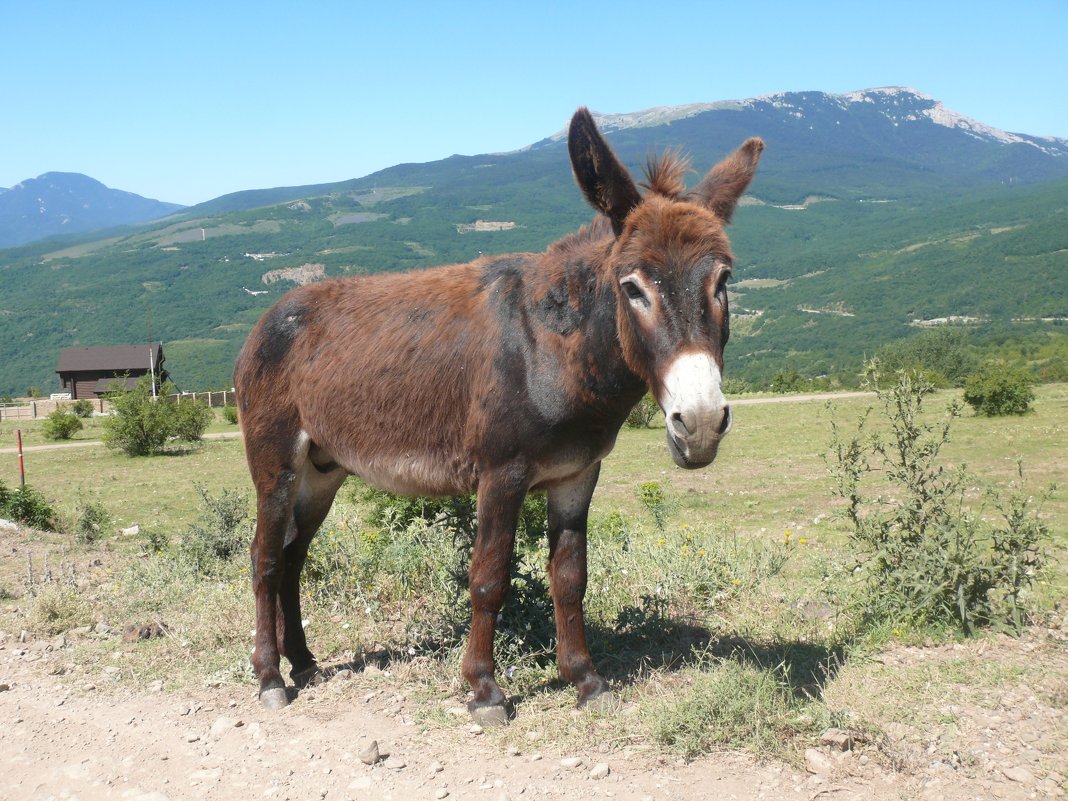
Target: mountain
871,213
69,202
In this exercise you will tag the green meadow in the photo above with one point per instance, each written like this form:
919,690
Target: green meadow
706,586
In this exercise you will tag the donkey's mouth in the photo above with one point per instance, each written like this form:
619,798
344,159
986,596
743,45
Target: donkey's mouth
684,457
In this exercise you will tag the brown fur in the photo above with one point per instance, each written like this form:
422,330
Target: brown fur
503,375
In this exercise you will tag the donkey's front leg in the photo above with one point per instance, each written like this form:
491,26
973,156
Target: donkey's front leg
569,506
499,502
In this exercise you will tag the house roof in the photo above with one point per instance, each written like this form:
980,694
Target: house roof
118,358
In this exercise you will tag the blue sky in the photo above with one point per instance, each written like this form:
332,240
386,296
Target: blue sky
185,101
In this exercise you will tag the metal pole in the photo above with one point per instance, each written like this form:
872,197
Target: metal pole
22,466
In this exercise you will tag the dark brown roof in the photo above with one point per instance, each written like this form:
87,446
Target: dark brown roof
117,358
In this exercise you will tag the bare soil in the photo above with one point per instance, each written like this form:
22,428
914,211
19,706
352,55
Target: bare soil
81,731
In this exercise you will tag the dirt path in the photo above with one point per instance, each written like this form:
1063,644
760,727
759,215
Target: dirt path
76,731
236,434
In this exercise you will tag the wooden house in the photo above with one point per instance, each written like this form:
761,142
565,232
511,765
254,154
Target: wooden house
92,372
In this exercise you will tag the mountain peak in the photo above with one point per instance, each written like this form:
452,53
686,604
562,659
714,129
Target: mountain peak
69,202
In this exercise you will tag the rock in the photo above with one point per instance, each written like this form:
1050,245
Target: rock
441,792
512,750
570,762
436,767
360,783
837,738
600,771
221,726
156,686
342,675
395,763
370,755
1019,774
192,737
817,762
103,629
132,531
4,688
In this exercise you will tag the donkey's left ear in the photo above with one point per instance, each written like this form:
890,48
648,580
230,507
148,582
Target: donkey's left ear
725,183
604,181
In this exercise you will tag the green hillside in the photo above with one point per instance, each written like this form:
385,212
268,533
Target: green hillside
853,231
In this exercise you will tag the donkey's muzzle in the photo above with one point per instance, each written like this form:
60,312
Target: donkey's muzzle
694,434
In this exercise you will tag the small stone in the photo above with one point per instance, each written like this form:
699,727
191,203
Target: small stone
360,783
192,737
1019,774
441,792
817,762
342,675
570,762
132,531
535,757
475,729
600,770
370,755
512,751
436,767
533,735
156,686
221,726
395,763
840,739
4,688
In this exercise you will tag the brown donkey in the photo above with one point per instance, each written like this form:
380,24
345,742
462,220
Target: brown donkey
508,374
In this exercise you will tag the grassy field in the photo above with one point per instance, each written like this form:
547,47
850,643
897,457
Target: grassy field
713,602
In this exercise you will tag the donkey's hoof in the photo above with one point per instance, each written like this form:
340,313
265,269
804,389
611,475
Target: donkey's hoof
309,677
603,703
274,698
490,715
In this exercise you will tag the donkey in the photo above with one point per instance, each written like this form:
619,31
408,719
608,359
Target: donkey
500,376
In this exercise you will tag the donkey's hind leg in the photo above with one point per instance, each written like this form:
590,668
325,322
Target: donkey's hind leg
315,493
276,484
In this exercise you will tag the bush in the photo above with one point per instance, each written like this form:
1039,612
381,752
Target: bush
229,413
924,558
141,425
222,530
27,506
643,413
61,424
83,408
91,521
999,389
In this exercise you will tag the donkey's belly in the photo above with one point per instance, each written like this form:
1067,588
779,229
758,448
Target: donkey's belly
410,473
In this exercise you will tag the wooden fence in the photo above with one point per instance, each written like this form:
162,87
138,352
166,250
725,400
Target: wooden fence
36,409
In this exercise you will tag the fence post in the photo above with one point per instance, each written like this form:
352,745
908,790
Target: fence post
22,465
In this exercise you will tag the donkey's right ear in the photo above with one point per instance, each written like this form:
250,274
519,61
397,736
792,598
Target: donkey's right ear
604,181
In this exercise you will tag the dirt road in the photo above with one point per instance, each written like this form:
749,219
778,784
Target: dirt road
81,731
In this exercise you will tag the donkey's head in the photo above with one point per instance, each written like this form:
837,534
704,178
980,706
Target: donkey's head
670,263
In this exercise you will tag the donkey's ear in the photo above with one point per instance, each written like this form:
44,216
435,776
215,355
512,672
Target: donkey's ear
725,183
604,181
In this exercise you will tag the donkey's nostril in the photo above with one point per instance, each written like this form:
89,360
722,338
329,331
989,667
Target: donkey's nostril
680,424
725,422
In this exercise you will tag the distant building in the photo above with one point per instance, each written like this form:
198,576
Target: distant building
93,372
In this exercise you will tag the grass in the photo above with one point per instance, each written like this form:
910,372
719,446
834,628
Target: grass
718,628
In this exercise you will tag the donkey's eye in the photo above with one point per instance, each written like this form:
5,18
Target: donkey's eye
634,293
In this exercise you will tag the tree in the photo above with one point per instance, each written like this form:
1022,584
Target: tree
141,424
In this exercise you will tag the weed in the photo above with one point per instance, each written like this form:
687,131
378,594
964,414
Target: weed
222,530
27,506
727,704
923,556
91,521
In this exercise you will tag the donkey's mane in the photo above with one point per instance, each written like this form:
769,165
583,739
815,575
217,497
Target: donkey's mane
664,174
